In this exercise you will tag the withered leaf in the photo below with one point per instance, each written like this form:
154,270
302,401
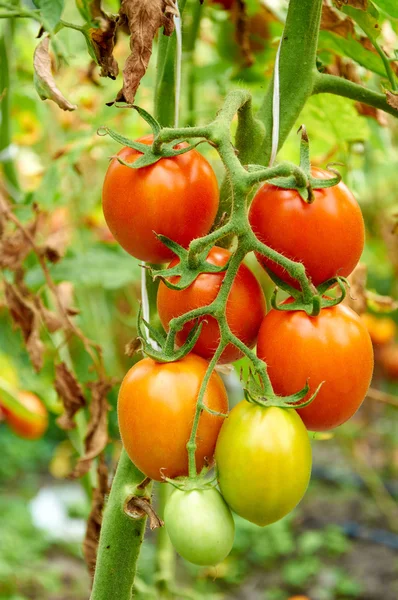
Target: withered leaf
239,16
356,296
103,40
51,320
43,77
55,245
90,543
360,4
374,113
380,303
334,21
71,394
132,347
144,18
97,430
26,317
392,99
15,246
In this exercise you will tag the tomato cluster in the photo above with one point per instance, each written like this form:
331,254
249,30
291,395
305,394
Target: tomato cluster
262,451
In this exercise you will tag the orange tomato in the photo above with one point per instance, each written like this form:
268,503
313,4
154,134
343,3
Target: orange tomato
334,348
381,329
156,408
177,197
245,307
34,427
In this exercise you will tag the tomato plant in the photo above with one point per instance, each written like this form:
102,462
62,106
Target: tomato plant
326,235
156,406
200,525
31,428
245,307
333,348
263,458
176,197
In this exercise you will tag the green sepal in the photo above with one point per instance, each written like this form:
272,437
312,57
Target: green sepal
161,355
254,393
312,307
182,270
152,122
102,131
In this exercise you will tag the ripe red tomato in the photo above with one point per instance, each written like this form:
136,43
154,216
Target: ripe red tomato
32,428
177,197
327,236
245,307
333,347
263,457
156,407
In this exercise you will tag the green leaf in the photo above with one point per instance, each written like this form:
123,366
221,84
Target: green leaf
388,6
353,49
367,20
109,268
51,11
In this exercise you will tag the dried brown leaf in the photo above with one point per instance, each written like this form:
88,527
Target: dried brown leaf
26,317
242,32
144,18
360,4
392,99
356,296
44,80
103,40
132,347
97,430
71,394
15,246
55,245
336,22
380,303
374,113
90,543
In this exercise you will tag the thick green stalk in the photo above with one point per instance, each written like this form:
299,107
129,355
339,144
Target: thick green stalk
121,537
8,165
190,61
330,84
165,553
296,68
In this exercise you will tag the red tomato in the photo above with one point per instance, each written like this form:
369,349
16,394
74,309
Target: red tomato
245,307
327,236
177,197
227,4
333,347
156,407
34,427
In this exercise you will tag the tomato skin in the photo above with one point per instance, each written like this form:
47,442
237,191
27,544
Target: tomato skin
334,348
245,307
200,525
263,456
177,197
28,429
156,407
327,236
382,330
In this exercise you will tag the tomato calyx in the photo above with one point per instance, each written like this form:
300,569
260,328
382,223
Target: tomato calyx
189,267
150,153
165,350
310,183
312,305
255,393
200,482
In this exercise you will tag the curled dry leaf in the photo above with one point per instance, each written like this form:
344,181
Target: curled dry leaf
138,507
55,245
336,22
392,99
43,77
144,18
90,543
239,16
15,246
71,394
380,303
97,430
356,297
103,39
25,316
359,4
132,347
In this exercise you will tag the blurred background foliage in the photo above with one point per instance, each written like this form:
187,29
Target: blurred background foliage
342,541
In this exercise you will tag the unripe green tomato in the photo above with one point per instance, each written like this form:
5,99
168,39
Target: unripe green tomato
263,456
200,525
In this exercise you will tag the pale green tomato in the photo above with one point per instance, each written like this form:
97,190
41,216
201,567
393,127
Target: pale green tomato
263,456
200,525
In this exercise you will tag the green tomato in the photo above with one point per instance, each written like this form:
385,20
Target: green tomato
200,525
263,456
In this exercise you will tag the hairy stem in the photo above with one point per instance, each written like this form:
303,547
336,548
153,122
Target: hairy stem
121,536
330,84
